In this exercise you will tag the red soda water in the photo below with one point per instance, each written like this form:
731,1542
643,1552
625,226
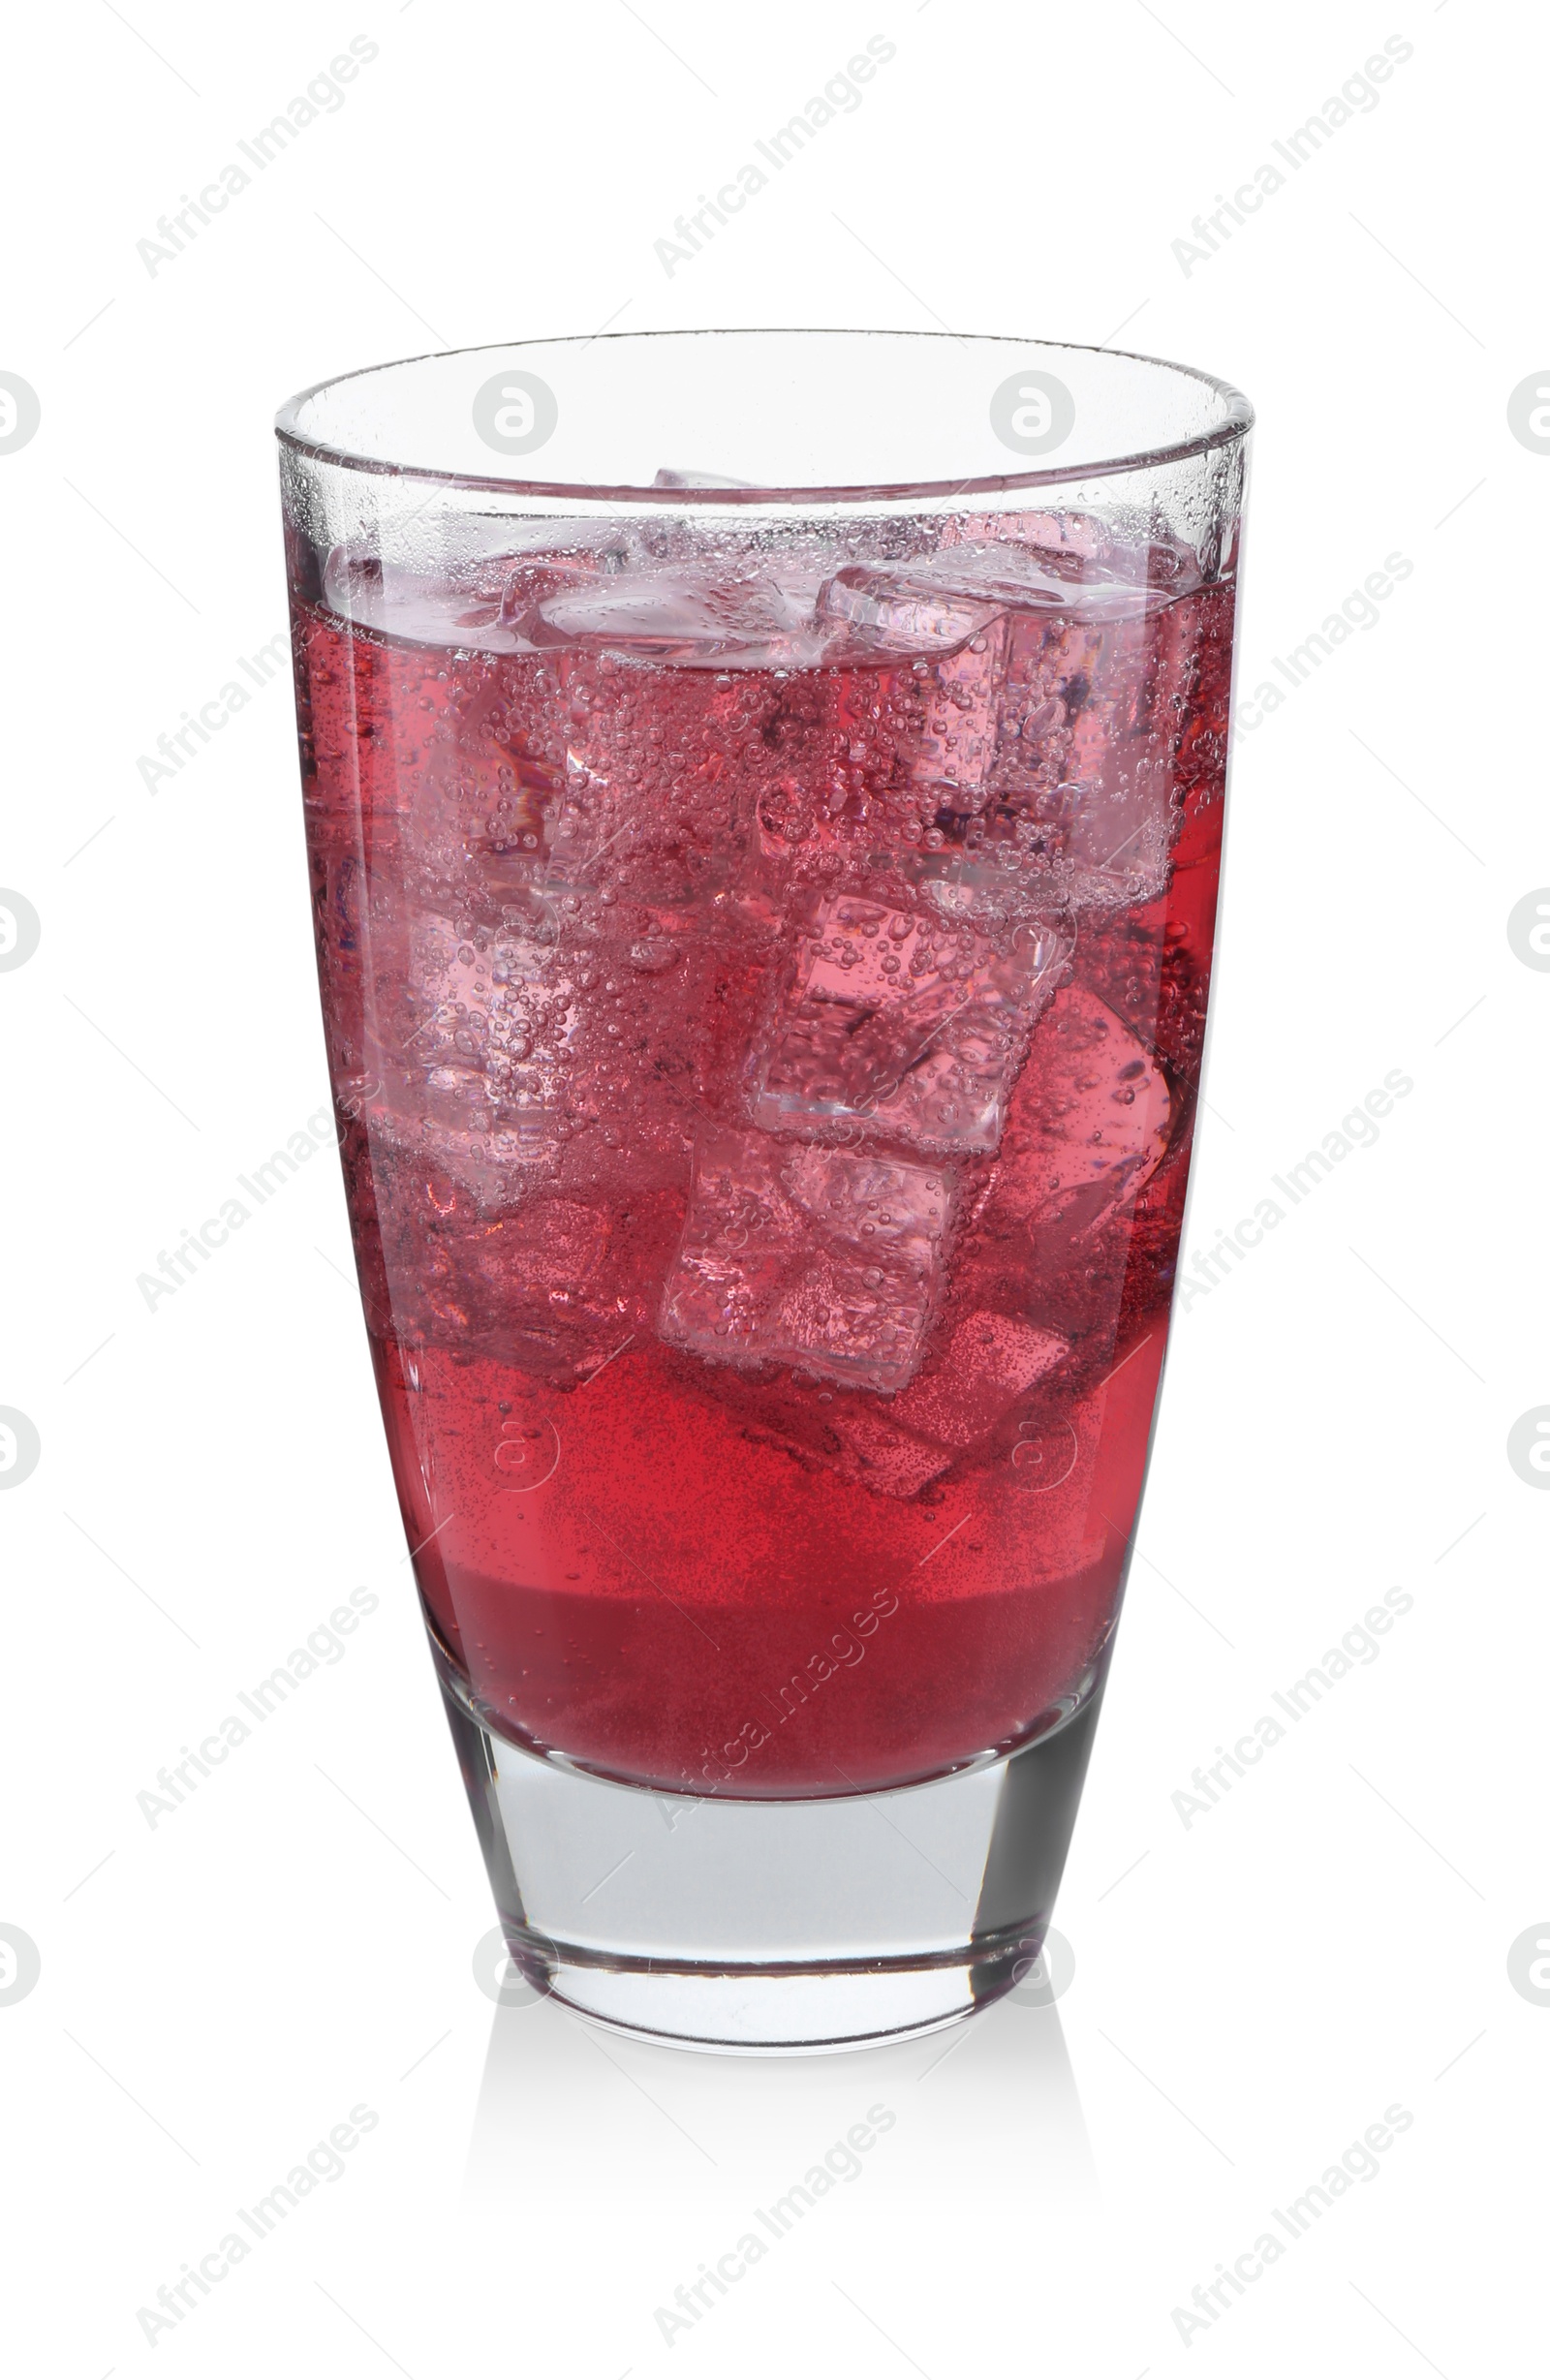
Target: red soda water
765,994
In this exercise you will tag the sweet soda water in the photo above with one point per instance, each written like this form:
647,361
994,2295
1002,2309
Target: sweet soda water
765,978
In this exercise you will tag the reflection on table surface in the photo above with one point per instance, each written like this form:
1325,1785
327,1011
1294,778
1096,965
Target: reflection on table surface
567,2106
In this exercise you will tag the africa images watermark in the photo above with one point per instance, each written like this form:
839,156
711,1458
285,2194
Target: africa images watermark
844,1649
323,96
177,2300
1358,1129
1359,2163
182,743
1358,1646
195,1248
1358,611
841,2163
840,96
325,1646
1358,95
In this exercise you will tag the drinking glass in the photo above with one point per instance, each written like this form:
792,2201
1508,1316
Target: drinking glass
763,795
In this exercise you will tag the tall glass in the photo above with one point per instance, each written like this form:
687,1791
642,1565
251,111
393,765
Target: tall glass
763,793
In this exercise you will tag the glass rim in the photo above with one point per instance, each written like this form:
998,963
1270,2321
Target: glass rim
1234,426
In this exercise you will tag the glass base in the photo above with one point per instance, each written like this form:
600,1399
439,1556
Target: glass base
762,1928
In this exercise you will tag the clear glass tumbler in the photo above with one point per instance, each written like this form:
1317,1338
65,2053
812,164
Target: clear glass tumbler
763,793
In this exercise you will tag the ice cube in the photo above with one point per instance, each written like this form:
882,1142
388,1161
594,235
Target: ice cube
403,599
1118,837
990,1362
1056,1462
547,1284
940,601
826,770
486,1157
477,1085
670,855
900,611
869,1202
482,754
559,1283
813,1257
486,998
871,1447
738,619
696,478
534,578
660,779
476,593
664,1022
909,1023
449,965
1049,674
1089,1118
608,840
529,1270
1095,681
1089,733
961,699
1068,564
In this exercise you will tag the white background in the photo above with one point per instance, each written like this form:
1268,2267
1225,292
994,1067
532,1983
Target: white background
1252,1991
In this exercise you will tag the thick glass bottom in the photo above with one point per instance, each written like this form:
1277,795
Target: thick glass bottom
763,1927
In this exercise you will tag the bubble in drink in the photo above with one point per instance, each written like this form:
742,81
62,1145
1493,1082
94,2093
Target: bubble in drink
765,974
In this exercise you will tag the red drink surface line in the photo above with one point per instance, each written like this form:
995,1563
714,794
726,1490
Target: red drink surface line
767,1101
